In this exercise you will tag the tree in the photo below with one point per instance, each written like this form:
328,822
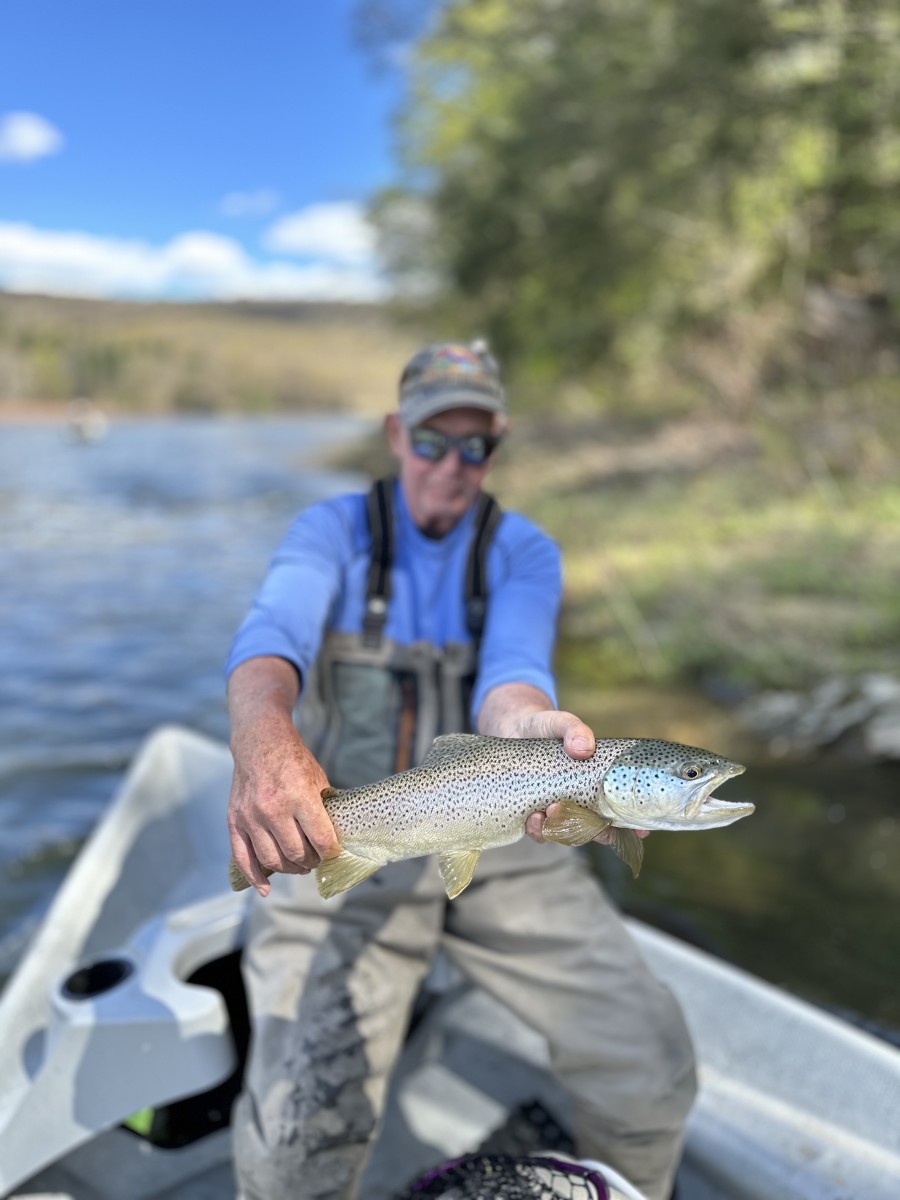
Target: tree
598,174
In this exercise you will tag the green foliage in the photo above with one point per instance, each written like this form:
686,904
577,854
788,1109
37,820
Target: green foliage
736,548
600,176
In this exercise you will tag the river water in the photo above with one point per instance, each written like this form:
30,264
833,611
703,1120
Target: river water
125,566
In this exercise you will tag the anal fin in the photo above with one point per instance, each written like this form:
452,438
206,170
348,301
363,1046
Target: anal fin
457,869
346,870
572,824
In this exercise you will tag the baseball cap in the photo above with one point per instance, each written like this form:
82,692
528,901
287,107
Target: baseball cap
449,375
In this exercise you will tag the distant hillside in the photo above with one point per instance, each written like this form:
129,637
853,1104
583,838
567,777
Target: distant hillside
159,357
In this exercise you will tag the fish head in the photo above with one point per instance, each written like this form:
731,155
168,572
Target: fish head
664,785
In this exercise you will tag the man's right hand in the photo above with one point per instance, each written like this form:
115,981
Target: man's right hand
276,817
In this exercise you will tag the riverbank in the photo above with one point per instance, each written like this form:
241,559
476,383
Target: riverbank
701,553
713,542
128,357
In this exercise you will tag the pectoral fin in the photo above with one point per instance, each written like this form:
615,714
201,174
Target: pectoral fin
457,870
339,874
572,824
629,848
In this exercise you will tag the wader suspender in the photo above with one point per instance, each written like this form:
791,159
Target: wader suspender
487,518
378,585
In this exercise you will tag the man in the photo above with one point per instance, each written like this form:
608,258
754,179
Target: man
399,617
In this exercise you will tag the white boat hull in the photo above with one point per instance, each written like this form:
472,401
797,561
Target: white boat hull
101,1021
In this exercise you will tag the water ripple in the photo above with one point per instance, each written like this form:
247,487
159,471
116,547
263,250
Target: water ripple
126,566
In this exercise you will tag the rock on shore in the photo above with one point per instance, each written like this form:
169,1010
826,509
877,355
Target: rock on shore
861,715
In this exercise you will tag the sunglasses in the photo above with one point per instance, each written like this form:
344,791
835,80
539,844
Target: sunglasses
474,448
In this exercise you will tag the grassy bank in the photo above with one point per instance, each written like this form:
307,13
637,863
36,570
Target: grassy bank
726,550
722,549
171,358
702,553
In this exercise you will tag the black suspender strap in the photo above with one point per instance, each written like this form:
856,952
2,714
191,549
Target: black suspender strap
487,518
378,583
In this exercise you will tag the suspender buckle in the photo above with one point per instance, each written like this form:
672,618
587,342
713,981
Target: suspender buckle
373,621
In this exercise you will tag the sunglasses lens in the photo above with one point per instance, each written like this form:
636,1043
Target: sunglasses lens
476,449
429,444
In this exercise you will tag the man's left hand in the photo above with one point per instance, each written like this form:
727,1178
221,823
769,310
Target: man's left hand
520,710
578,742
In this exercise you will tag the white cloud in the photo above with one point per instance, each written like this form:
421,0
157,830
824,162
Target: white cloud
25,136
195,266
258,203
337,231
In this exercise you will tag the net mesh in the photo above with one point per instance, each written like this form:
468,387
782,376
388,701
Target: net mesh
503,1177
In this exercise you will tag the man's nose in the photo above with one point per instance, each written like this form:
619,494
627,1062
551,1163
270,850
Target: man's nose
452,462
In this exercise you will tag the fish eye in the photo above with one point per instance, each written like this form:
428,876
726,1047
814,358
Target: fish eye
690,771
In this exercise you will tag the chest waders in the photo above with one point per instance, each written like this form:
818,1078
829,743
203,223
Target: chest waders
372,706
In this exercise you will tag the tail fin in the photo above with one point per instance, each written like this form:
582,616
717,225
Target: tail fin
238,880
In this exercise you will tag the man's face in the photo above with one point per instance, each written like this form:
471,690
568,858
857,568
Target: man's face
438,493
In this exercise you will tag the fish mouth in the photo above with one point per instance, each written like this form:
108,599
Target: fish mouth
703,805
714,809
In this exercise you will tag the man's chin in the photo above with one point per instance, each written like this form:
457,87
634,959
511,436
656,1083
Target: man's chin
438,527
446,512
438,524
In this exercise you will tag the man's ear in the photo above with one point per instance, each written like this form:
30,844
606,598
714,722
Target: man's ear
394,434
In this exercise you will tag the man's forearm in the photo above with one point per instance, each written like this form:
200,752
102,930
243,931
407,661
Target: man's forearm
261,690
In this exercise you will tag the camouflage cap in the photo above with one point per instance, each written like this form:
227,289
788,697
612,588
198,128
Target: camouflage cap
449,375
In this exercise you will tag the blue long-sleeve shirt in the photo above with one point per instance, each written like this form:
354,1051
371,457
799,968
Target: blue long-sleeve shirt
317,582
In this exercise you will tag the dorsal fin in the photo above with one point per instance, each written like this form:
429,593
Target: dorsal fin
450,746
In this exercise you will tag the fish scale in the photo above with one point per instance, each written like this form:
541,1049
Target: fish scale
475,792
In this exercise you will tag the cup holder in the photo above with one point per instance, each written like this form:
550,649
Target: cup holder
96,978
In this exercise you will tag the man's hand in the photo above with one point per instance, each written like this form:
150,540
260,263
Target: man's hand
276,817
518,710
578,742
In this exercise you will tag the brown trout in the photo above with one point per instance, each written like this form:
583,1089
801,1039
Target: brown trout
473,793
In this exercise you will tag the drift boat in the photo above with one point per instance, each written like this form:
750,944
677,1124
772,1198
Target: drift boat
123,1033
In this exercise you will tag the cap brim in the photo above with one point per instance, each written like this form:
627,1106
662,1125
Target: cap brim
415,410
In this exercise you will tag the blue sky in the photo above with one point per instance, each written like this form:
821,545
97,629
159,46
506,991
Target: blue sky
189,149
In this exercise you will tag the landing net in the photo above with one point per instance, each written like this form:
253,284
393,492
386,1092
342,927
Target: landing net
502,1177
